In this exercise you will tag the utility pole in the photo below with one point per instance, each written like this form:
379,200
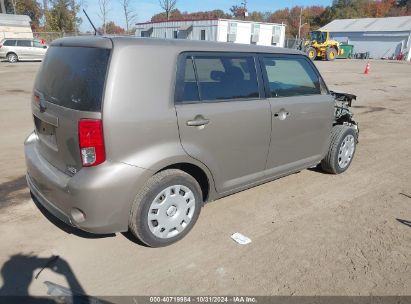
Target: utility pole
300,25
45,10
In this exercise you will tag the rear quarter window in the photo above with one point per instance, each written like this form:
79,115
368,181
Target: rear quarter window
74,77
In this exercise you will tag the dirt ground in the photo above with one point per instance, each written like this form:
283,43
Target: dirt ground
312,233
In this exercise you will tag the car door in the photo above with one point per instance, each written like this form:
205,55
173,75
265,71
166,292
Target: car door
224,120
302,113
23,49
38,50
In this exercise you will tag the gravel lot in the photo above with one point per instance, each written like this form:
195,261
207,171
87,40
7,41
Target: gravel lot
312,233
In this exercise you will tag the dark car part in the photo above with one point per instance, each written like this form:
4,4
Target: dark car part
343,114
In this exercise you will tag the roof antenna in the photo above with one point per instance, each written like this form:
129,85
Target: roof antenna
95,30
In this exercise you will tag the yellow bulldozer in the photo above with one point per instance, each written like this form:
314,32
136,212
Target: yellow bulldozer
321,46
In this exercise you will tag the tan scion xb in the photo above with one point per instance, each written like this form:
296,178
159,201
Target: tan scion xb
138,133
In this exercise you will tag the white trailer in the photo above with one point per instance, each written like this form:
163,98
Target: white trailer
15,26
222,30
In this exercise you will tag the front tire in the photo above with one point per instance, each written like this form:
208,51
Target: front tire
312,53
341,151
166,208
12,58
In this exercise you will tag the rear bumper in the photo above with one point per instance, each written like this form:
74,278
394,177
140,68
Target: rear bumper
46,204
104,193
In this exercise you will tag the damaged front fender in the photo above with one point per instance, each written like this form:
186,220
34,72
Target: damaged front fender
343,114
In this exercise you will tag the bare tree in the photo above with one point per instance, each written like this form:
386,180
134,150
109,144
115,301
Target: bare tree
104,6
129,12
168,6
13,3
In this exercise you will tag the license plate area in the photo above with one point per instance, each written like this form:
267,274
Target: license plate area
46,132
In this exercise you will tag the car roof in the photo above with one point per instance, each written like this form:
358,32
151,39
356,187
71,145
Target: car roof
18,39
198,45
181,45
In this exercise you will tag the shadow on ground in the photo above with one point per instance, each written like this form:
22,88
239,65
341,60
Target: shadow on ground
129,236
404,222
16,191
318,169
13,191
19,271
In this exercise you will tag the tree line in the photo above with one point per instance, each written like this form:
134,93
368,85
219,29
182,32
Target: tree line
312,17
64,15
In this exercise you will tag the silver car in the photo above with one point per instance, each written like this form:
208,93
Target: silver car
14,49
137,134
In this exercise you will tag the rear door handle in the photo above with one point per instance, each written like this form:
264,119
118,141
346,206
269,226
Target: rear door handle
198,122
281,115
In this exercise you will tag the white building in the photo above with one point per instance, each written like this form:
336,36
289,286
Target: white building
222,30
381,37
15,26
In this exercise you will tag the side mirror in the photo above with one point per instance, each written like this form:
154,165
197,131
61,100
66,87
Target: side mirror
44,46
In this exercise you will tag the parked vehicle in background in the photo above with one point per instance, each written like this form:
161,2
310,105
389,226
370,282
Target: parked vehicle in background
136,134
14,49
322,46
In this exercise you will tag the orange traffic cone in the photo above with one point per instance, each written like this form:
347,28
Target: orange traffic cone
367,69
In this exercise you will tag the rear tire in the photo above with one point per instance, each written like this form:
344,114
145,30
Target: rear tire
331,54
341,151
166,208
12,57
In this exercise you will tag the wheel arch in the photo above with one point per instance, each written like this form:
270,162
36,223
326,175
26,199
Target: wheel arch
11,52
199,173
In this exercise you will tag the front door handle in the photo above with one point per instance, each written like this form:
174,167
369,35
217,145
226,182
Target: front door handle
281,115
198,121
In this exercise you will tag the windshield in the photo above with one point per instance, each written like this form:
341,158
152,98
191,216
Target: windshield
318,36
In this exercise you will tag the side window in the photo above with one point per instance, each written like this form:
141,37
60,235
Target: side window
190,88
225,77
9,43
25,43
245,68
290,77
208,69
37,44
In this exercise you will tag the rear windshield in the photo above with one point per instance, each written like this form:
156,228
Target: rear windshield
73,77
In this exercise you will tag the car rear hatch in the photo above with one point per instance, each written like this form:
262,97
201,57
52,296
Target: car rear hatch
69,87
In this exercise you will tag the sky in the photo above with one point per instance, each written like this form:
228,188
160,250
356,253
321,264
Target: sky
147,8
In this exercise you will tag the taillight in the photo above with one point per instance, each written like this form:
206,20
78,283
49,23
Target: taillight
36,98
91,141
